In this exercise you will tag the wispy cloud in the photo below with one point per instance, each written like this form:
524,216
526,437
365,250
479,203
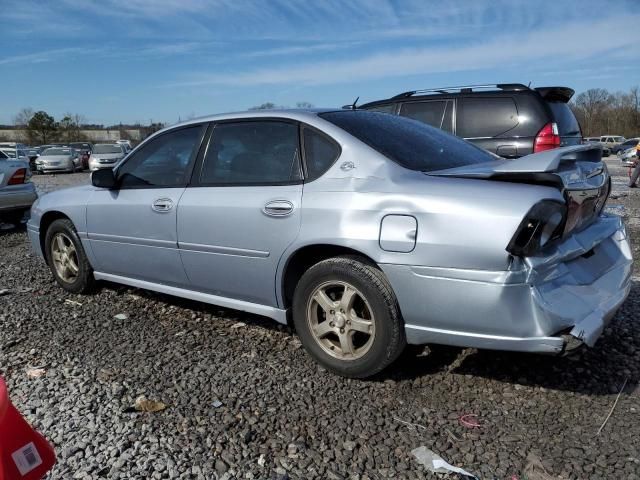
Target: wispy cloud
44,56
557,45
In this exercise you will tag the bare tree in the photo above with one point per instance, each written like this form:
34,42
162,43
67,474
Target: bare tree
21,119
304,105
264,106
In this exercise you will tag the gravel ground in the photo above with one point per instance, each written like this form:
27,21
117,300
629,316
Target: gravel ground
245,401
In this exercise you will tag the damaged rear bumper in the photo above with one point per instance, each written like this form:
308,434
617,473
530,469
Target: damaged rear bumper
543,304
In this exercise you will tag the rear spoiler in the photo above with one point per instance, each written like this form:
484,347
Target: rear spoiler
541,165
556,94
550,160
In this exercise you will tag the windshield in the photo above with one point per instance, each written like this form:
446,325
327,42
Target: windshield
410,143
56,151
10,153
107,149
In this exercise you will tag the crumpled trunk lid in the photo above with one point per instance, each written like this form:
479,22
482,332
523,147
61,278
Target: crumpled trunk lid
577,171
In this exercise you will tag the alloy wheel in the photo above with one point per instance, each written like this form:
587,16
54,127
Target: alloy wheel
341,320
65,257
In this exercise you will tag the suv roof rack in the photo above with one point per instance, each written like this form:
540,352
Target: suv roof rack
514,87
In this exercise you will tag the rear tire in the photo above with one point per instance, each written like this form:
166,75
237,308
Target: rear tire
67,259
347,317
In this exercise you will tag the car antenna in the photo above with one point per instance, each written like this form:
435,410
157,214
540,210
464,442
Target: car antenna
529,85
352,106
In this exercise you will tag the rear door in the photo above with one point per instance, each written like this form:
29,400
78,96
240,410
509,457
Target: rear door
242,209
488,121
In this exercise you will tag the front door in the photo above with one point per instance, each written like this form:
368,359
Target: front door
132,229
242,209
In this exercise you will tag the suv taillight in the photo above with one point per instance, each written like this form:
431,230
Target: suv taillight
547,138
18,177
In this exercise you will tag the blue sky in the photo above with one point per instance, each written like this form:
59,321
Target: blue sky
136,60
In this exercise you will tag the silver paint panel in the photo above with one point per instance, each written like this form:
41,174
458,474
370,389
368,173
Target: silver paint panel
276,314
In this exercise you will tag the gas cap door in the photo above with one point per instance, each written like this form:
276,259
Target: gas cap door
398,233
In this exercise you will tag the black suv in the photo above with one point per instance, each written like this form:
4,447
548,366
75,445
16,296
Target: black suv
509,119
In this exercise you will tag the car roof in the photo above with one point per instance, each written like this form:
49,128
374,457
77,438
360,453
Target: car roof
551,94
290,113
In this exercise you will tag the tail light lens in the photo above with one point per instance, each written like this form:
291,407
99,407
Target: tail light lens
18,177
547,138
542,224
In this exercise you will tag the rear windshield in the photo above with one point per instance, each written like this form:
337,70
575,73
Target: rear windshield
107,149
410,143
565,119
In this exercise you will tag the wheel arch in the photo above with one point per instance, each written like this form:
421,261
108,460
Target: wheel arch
303,258
45,222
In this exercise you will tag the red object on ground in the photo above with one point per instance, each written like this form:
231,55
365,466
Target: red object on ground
24,453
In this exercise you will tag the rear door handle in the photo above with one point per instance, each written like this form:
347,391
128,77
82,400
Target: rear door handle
162,205
278,208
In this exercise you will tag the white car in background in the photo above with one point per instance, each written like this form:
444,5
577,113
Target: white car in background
126,144
59,159
106,155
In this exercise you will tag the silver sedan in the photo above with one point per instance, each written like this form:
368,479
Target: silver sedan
367,231
59,159
17,193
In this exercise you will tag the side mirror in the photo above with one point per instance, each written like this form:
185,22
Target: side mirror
104,178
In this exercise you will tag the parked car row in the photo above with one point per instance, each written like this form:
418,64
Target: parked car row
67,157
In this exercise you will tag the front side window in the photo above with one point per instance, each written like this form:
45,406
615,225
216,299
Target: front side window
261,152
410,143
320,152
164,161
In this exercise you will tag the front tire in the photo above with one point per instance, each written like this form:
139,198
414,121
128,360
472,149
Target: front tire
67,259
348,318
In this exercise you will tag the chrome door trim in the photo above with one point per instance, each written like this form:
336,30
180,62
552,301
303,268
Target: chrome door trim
241,252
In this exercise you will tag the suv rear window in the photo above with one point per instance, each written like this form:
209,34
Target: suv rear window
437,113
487,116
410,143
565,119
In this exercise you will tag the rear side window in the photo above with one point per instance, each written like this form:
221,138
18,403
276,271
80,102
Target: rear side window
252,153
435,113
410,143
565,119
487,116
320,152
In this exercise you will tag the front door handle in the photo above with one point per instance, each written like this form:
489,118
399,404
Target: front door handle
162,205
278,208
